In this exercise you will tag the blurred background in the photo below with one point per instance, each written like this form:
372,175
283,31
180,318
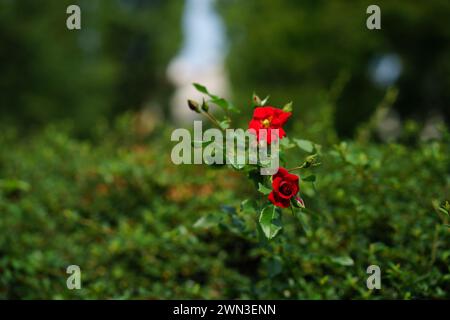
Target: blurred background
85,171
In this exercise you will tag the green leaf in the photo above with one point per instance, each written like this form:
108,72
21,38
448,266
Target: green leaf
263,102
221,102
288,107
274,266
207,222
270,221
235,162
225,124
286,143
311,178
13,185
446,205
237,224
224,104
263,189
265,163
237,166
343,261
303,219
305,145
228,209
248,206
201,88
445,208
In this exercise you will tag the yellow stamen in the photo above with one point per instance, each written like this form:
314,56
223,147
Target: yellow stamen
265,123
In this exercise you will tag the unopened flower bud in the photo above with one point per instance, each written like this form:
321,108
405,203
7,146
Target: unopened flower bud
298,202
193,105
257,100
310,161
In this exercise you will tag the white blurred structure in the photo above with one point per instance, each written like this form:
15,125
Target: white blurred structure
201,59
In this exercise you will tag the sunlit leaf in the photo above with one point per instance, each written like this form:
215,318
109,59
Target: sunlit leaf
263,189
270,221
305,145
343,261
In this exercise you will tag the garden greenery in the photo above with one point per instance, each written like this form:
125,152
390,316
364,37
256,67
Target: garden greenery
141,227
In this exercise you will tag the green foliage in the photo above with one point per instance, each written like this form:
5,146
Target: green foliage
116,62
270,217
141,227
221,102
301,49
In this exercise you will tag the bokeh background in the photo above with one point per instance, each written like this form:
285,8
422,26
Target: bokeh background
85,171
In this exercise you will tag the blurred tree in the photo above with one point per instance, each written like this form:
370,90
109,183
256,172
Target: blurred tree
115,62
299,49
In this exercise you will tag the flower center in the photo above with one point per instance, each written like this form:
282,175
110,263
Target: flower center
286,189
266,122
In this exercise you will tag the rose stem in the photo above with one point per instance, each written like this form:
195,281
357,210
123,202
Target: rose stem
213,120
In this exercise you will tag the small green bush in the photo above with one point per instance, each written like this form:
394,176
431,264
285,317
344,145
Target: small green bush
140,227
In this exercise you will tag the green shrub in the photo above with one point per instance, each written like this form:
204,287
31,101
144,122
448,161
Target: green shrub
140,227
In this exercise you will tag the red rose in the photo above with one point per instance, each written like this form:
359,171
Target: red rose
269,118
285,186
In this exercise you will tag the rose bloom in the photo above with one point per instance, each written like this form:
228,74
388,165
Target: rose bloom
285,186
269,118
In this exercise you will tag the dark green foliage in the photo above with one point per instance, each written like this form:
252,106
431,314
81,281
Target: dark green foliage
297,49
140,227
116,62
